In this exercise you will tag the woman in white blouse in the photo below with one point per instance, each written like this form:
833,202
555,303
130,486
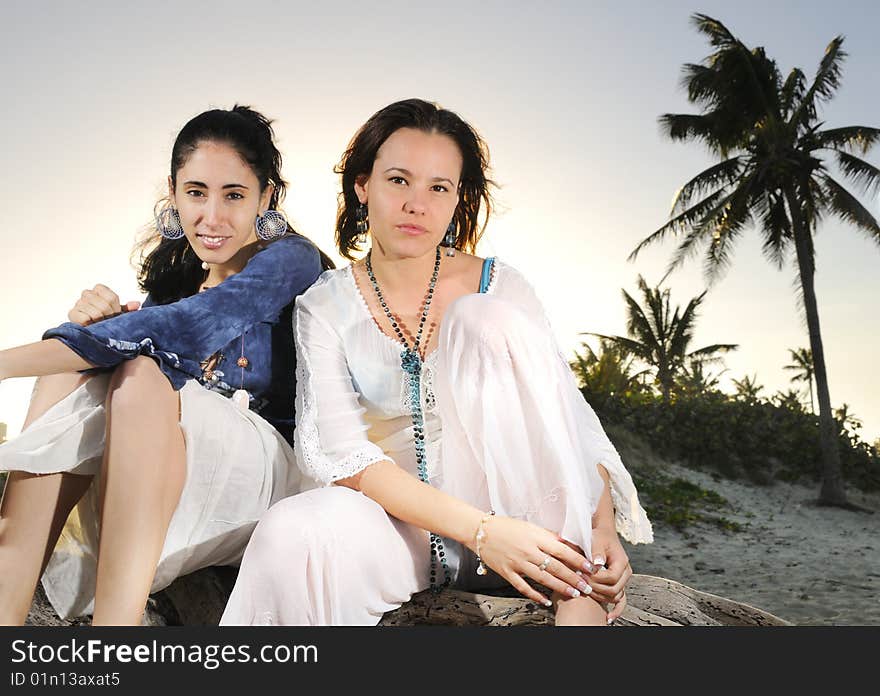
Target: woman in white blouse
442,429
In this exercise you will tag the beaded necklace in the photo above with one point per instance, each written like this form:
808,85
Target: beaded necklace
411,363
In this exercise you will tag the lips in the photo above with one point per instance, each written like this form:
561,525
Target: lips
211,242
412,230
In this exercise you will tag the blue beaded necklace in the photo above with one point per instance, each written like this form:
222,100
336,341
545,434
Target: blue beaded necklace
411,363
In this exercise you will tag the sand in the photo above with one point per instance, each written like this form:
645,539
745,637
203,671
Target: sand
803,563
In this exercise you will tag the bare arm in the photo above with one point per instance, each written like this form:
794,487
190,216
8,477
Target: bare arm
513,548
406,498
603,518
42,358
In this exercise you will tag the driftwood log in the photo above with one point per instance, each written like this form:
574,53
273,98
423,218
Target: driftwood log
198,599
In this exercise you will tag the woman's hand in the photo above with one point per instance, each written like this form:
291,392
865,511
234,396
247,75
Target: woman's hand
516,549
98,303
609,582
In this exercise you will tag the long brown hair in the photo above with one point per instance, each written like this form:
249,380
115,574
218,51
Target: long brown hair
357,161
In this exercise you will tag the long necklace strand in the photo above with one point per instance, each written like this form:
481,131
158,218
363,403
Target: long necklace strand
411,362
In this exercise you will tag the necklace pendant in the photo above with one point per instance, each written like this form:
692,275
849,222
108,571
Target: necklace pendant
411,362
241,399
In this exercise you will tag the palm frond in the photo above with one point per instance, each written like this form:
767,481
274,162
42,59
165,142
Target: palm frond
686,127
864,174
792,91
825,83
725,172
858,139
629,344
827,80
775,228
714,348
679,223
718,34
848,208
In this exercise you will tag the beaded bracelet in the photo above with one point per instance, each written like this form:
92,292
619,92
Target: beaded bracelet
481,534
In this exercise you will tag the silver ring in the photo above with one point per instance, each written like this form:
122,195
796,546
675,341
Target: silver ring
545,563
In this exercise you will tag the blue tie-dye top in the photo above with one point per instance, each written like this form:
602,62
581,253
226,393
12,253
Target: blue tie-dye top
255,305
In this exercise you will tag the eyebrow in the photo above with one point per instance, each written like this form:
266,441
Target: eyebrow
409,173
204,185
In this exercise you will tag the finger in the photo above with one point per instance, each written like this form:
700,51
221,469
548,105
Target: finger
77,316
527,590
617,609
109,296
93,313
613,569
93,299
131,306
549,580
559,570
611,590
567,553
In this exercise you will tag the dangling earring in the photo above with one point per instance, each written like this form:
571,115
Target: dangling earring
206,266
168,223
362,223
271,225
450,238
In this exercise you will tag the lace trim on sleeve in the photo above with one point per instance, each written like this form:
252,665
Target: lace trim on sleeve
630,519
310,455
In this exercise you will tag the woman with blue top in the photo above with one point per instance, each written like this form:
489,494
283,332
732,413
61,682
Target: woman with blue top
438,425
168,427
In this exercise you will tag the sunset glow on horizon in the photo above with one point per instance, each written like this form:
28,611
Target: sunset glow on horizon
567,96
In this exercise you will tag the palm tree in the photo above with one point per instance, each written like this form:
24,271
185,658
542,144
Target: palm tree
609,372
660,337
695,379
802,365
790,399
748,388
771,174
848,421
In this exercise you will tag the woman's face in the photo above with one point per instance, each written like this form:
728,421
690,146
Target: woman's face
411,192
218,198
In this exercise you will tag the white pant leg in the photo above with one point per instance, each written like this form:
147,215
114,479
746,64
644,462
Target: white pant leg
514,433
328,556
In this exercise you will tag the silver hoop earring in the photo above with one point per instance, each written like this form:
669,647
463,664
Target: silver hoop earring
271,225
362,223
450,238
168,223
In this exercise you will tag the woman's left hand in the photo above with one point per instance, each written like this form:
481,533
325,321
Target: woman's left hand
609,582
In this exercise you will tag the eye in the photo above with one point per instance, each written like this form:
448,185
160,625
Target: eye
195,193
440,188
235,196
397,180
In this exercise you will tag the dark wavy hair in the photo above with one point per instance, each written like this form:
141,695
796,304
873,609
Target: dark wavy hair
169,269
357,161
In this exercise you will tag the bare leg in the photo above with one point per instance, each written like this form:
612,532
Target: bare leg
143,474
33,512
578,611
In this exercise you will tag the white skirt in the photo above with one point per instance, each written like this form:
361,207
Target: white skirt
237,466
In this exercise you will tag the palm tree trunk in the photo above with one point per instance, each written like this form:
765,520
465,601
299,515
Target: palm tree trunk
832,491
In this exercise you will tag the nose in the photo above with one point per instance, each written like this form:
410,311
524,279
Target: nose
416,202
212,211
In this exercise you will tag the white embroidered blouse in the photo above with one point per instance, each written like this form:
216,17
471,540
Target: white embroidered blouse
351,401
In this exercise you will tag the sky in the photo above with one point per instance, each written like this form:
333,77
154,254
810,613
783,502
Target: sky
566,94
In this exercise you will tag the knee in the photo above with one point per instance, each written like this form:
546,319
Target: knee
133,382
289,530
487,322
309,529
